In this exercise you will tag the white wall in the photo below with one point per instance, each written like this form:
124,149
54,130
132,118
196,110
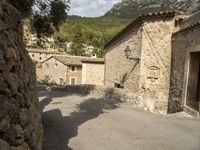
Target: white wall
93,74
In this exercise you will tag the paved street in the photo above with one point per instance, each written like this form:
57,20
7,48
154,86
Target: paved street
82,122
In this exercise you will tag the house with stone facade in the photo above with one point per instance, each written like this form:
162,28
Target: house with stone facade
164,60
68,70
185,70
39,55
148,67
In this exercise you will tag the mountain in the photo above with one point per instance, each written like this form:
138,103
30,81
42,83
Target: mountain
133,8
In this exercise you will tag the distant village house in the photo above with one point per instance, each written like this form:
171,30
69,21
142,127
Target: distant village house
72,70
39,55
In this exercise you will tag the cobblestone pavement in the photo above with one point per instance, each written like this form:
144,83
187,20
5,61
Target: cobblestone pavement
85,122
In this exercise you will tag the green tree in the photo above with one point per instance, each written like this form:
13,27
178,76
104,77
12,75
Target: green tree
45,15
77,49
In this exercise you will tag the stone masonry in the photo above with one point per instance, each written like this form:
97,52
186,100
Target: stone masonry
107,93
93,73
185,66
149,38
156,60
20,122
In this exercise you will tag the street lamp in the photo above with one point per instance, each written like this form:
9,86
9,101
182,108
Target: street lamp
127,53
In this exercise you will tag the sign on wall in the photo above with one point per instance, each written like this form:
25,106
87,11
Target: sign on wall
154,72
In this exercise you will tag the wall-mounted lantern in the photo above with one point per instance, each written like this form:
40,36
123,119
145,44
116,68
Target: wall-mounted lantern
127,53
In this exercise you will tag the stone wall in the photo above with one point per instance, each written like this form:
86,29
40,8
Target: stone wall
151,42
107,93
184,43
54,69
93,73
156,59
119,69
20,122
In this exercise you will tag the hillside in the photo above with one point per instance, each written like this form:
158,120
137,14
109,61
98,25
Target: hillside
83,31
133,8
90,31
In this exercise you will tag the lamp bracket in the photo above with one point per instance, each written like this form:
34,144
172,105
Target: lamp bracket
133,58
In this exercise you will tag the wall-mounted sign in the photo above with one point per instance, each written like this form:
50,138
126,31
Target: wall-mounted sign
154,72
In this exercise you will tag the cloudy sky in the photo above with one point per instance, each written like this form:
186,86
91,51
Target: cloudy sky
91,8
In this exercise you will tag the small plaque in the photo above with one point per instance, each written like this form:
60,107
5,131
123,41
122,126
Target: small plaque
154,72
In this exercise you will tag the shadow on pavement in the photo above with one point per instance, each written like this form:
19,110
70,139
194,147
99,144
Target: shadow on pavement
58,129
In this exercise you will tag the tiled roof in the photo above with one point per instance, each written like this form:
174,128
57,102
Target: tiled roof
73,60
139,20
190,22
188,28
97,61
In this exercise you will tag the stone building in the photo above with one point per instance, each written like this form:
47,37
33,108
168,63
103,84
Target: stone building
148,68
67,70
185,72
20,120
93,72
39,55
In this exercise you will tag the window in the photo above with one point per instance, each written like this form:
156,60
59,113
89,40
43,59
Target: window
72,81
61,81
73,68
117,85
40,58
47,65
56,65
33,55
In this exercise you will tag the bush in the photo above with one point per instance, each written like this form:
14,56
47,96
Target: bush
47,81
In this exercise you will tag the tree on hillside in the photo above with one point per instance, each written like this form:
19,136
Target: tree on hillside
46,15
77,47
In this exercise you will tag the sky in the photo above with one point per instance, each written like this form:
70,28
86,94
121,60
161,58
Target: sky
91,8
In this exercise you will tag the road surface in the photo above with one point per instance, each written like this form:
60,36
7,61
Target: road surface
85,122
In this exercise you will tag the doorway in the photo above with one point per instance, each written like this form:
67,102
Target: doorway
61,81
193,89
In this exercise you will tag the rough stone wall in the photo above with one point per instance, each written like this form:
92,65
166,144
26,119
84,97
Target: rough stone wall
107,93
156,59
20,122
151,41
119,69
184,42
93,74
39,73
